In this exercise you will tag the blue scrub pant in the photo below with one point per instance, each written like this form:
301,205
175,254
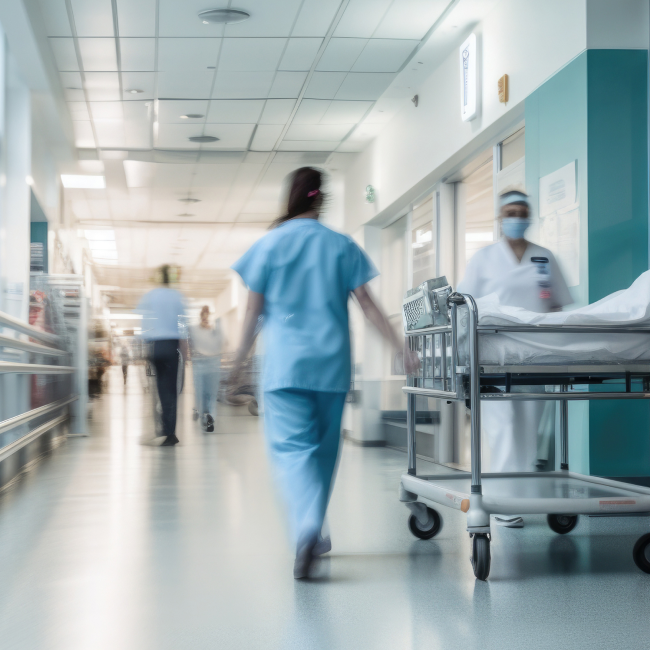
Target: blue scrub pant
303,430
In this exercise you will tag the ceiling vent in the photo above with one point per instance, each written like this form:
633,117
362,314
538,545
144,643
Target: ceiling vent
223,16
203,138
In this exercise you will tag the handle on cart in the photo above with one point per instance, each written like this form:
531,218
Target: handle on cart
455,298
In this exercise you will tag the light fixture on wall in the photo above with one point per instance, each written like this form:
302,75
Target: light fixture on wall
223,16
203,138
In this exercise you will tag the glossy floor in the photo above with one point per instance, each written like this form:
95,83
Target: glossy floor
108,544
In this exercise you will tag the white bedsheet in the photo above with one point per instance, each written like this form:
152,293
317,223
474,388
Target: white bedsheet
629,307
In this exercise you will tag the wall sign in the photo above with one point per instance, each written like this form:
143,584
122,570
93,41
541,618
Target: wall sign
468,79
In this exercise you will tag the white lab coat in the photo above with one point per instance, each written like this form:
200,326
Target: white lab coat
511,428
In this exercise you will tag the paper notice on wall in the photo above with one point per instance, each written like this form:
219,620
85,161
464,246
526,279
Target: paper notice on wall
557,190
560,233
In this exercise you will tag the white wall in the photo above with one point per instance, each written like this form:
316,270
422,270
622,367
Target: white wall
527,39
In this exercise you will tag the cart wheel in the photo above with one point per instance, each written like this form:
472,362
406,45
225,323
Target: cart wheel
481,555
641,553
430,531
562,524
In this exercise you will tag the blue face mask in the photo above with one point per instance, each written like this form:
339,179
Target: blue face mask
514,227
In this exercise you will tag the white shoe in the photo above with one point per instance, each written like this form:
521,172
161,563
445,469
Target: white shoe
509,522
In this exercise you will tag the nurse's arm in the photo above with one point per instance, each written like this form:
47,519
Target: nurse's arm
376,316
254,310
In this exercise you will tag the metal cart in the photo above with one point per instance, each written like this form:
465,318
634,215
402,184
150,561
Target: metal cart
442,326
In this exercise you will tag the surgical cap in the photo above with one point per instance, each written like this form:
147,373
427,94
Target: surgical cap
513,197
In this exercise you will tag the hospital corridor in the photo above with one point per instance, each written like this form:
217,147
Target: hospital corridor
324,324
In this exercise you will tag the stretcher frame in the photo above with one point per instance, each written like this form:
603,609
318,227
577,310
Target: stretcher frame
441,377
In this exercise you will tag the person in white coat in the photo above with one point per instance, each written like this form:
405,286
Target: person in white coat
525,275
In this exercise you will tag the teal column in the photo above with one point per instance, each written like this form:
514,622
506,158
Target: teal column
617,113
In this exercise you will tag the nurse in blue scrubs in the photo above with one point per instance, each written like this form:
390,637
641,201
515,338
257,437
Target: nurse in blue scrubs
300,276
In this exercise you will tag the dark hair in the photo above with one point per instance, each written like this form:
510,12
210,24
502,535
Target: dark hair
164,273
304,194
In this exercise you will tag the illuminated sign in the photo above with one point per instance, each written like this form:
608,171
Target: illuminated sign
468,79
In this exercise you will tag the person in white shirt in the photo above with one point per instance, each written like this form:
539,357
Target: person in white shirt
205,346
525,275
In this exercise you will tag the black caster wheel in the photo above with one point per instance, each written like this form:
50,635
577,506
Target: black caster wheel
641,553
481,555
431,530
562,524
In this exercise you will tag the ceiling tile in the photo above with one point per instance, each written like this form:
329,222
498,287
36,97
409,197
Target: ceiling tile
55,17
107,110
323,132
93,17
277,111
251,54
83,135
78,110
341,54
144,81
102,80
98,54
324,85
227,111
103,94
74,95
170,111
289,145
410,18
349,112
243,85
187,54
384,55
315,17
138,54
138,136
64,53
311,111
179,85
136,17
231,136
272,19
266,136
300,53
364,85
287,84
351,146
70,80
361,18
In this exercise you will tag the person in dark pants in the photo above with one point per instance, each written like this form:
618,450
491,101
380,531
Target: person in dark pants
161,309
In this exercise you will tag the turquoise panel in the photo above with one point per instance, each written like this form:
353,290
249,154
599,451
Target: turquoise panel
618,233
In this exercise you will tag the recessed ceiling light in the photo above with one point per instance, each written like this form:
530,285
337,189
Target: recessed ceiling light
192,116
186,214
189,200
223,16
135,91
203,138
71,181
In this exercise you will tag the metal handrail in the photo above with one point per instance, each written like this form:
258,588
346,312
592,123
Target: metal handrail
30,330
23,441
28,346
28,416
34,368
565,329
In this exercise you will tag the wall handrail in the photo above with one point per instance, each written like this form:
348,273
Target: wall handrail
28,416
28,346
34,369
24,328
23,441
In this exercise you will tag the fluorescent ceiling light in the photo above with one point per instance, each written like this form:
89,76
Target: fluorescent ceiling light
101,246
479,236
99,235
85,182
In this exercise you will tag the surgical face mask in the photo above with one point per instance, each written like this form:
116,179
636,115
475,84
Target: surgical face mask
514,227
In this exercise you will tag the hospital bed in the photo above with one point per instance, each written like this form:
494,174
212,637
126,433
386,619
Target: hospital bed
467,359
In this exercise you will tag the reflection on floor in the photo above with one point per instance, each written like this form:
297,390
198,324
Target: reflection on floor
108,544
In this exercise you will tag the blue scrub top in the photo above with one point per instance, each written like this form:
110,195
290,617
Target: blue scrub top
306,272
161,309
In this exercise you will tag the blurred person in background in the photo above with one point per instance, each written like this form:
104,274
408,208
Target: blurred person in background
205,348
524,275
300,276
125,357
161,309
